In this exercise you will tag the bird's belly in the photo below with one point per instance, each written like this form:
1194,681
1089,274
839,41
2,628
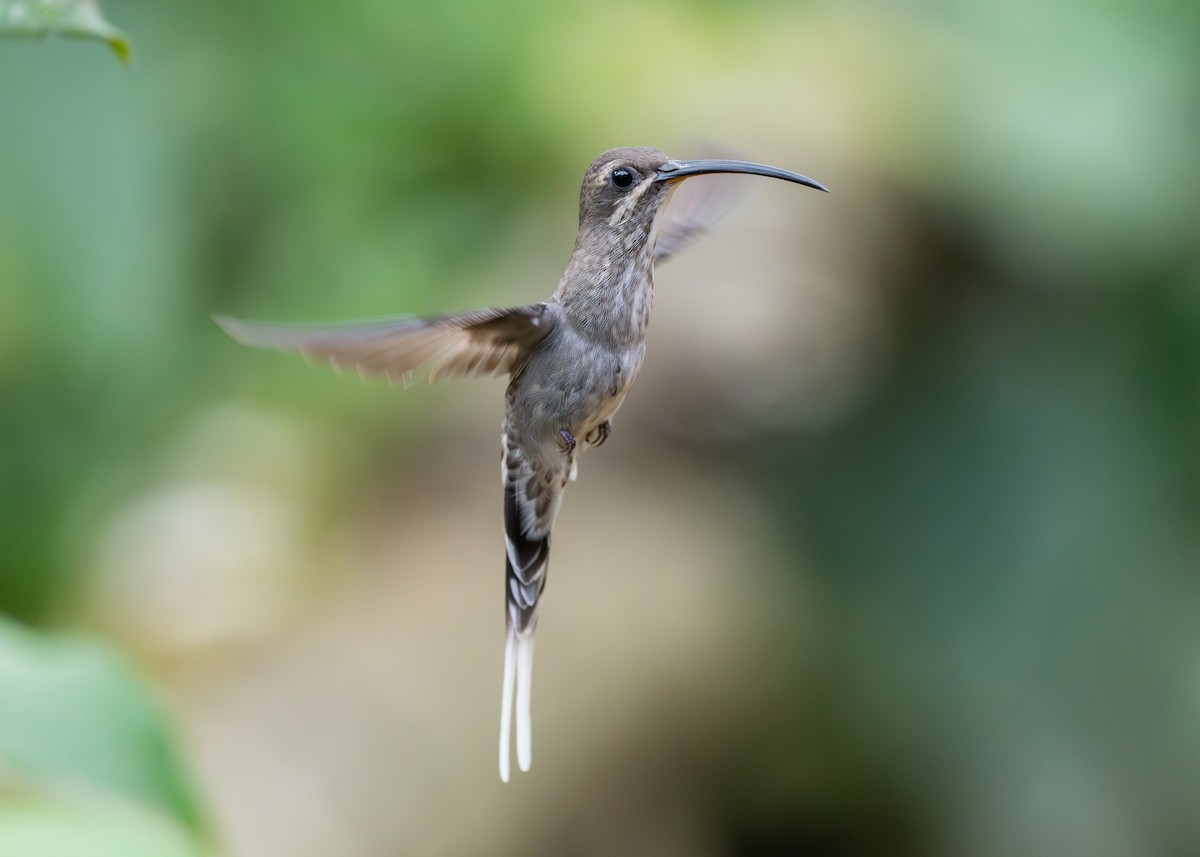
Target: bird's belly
608,395
572,388
598,417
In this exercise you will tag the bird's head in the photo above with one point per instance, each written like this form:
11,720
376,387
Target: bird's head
623,189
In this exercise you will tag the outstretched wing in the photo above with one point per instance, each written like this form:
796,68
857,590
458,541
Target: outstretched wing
483,342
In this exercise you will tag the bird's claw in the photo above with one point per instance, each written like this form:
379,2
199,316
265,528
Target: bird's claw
566,440
599,434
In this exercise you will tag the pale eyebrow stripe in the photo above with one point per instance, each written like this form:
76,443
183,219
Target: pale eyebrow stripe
628,202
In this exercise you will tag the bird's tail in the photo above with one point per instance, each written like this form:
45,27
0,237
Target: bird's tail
525,578
518,677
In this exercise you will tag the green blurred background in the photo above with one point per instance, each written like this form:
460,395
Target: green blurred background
895,548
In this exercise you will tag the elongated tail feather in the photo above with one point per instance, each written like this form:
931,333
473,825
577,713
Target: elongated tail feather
526,560
533,486
506,702
518,676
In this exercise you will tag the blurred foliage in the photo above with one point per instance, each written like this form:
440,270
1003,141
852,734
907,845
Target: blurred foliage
56,828
85,754
77,19
1001,533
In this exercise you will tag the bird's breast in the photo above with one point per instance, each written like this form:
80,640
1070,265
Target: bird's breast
608,300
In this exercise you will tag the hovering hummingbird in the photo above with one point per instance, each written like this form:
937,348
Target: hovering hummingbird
570,362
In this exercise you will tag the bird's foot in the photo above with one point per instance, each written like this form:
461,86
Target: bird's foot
566,440
599,434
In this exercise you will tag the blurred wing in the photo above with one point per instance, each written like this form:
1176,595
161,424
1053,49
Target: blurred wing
695,209
479,343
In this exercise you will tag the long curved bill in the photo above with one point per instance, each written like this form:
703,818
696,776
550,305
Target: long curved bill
675,170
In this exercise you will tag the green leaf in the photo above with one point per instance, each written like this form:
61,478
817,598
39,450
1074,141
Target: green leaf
76,19
33,826
74,715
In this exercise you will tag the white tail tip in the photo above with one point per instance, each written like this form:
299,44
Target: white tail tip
506,702
518,676
524,693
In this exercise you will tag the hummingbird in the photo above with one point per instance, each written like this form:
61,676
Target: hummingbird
570,361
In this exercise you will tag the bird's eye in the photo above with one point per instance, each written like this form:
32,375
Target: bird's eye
622,177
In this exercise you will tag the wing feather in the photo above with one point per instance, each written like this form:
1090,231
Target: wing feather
469,344
695,209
